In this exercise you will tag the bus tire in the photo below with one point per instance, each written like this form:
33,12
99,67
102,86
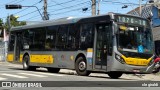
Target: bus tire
26,65
115,75
81,67
53,70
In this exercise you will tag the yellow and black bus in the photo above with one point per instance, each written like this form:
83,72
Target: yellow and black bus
111,43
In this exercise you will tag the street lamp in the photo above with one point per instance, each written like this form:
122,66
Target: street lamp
20,6
84,9
126,6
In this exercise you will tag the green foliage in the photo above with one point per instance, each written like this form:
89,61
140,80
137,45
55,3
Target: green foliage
13,22
1,22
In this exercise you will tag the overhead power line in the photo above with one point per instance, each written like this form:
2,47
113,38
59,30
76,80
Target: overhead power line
55,10
17,2
120,3
28,7
42,7
67,11
61,3
57,3
59,13
30,13
3,5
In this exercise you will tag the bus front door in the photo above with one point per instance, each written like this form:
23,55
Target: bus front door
17,47
101,46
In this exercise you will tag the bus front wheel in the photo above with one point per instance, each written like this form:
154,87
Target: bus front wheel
26,64
81,67
115,75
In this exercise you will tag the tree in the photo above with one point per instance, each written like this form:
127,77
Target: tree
1,28
1,22
12,20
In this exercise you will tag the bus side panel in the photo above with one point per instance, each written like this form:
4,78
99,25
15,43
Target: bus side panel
58,59
10,57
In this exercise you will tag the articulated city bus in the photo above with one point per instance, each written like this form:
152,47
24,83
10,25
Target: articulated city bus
111,43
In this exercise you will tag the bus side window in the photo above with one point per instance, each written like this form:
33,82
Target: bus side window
50,37
72,34
40,41
86,36
25,41
61,37
35,38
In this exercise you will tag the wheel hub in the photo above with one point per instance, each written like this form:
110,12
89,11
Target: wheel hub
25,64
82,65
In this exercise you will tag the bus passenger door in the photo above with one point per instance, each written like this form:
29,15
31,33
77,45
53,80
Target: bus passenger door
17,47
101,46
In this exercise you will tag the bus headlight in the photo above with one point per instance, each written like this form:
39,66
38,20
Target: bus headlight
119,58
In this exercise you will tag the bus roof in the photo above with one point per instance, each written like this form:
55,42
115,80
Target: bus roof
68,20
46,23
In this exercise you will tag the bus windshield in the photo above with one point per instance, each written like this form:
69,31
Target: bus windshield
134,39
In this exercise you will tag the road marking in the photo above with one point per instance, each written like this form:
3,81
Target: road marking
51,74
1,78
13,65
11,75
32,75
14,71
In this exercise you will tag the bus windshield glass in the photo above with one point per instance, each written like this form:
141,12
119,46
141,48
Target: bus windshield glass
134,39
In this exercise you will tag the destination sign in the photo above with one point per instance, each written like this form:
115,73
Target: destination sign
131,20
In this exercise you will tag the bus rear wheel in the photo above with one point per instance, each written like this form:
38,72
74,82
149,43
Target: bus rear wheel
115,75
53,70
81,67
26,65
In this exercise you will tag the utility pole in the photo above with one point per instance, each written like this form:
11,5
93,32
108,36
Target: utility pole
98,7
93,7
45,11
140,8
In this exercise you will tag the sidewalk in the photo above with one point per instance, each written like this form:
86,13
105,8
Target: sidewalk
3,61
150,77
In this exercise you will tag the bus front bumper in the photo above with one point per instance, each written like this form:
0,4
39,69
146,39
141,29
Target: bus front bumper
125,68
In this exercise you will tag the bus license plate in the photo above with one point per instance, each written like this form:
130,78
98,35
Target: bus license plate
140,62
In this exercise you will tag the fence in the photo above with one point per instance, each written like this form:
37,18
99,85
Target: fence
3,52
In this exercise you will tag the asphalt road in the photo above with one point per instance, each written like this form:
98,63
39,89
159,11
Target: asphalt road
66,80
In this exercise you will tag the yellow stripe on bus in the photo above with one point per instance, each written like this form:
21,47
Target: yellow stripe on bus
41,59
136,61
9,57
21,58
90,50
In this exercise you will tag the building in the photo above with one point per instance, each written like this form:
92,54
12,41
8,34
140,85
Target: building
150,12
